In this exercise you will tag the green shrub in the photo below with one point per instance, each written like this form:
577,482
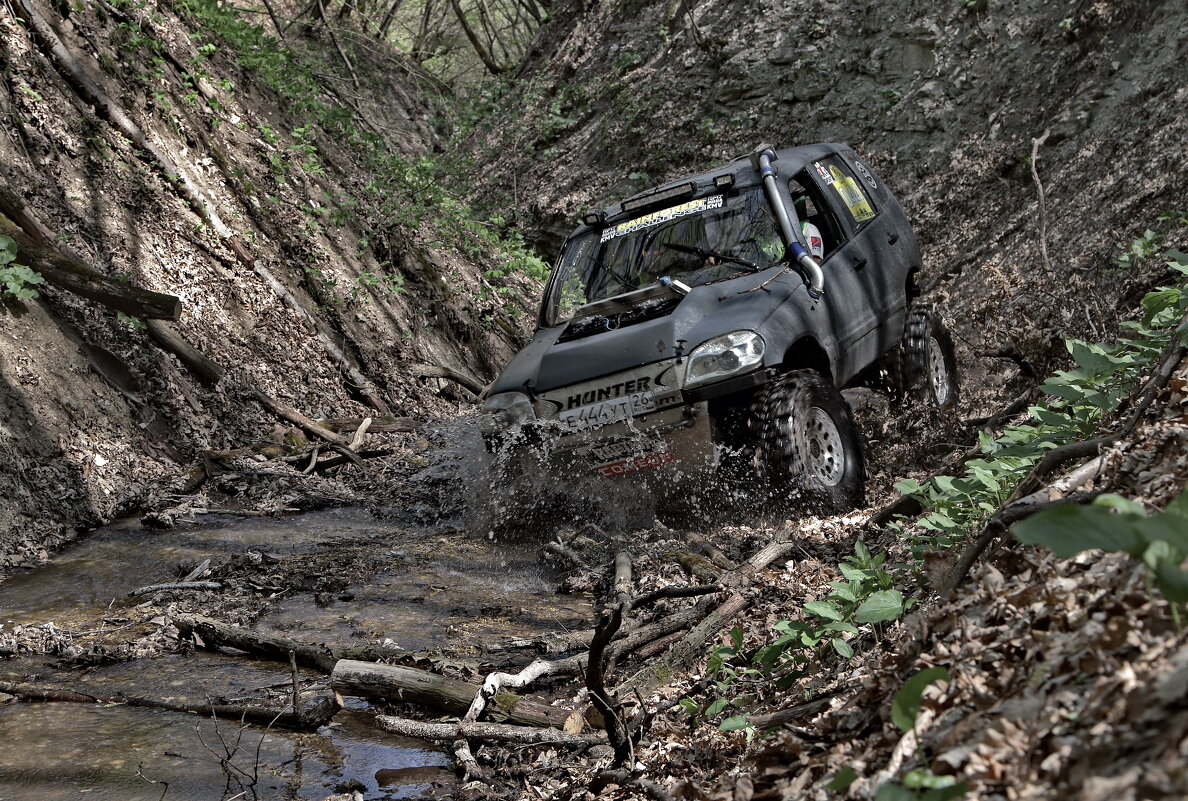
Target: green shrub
16,280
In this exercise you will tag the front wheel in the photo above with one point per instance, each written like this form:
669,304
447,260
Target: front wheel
808,450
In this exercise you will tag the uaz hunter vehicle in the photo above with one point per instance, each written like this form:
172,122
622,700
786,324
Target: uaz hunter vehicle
691,327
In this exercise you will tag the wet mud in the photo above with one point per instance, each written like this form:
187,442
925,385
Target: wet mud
342,577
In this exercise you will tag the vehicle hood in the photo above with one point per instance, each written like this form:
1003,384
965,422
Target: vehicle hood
706,312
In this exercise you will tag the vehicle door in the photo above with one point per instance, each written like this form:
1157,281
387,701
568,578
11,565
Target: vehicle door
854,284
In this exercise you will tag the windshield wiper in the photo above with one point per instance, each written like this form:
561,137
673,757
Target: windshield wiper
615,274
706,253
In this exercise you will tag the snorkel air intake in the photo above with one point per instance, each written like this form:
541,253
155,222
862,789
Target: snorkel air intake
761,160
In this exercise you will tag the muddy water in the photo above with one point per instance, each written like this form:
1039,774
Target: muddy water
445,589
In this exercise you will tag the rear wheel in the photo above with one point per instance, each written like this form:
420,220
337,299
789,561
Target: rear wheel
927,360
808,447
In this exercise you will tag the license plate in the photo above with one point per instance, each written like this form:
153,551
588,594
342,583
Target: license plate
635,464
610,411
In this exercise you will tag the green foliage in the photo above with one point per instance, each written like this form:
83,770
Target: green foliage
919,784
842,779
922,785
16,280
404,191
906,705
1079,401
865,596
1113,523
130,321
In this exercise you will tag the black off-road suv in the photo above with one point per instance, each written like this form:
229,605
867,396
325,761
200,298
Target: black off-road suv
690,329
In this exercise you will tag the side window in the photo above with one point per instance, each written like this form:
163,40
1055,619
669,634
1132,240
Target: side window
846,192
822,220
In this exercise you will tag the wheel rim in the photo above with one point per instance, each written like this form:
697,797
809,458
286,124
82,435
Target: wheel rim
938,372
826,457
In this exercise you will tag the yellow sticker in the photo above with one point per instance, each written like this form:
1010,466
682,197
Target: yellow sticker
851,195
663,216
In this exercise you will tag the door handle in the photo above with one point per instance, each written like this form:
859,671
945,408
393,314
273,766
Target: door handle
892,238
858,265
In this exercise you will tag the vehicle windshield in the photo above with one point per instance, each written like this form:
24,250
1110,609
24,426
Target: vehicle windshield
698,242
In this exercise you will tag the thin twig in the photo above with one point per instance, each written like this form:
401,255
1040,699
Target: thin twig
1043,211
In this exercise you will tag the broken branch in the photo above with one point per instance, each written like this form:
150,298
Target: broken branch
494,732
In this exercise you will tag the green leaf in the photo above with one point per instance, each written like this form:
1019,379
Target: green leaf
1172,581
823,609
689,706
906,704
734,723
949,793
736,637
1062,390
1050,418
1090,356
848,628
843,590
850,573
894,792
1121,504
880,606
1160,551
717,706
1068,530
842,647
842,779
927,780
908,486
1165,528
1178,508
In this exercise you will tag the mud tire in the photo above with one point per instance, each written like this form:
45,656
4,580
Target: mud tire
809,453
925,364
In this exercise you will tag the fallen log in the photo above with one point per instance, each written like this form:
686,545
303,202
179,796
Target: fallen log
433,371
207,370
214,632
318,657
175,585
493,732
791,713
310,719
74,276
306,424
689,648
395,682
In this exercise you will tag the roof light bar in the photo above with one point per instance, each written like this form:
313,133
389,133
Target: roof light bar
724,181
594,218
682,190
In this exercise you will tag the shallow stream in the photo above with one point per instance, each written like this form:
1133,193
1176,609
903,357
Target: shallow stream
439,588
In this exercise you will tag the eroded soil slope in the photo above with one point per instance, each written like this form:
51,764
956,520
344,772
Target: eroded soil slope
319,255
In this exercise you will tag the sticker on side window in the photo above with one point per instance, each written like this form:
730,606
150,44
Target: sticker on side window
851,195
866,174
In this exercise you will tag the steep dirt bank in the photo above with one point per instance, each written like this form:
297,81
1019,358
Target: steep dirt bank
94,417
944,98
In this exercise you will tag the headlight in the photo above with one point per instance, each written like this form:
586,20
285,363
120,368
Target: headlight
505,410
724,356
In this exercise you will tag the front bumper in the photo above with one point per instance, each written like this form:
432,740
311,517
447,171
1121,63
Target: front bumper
627,424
